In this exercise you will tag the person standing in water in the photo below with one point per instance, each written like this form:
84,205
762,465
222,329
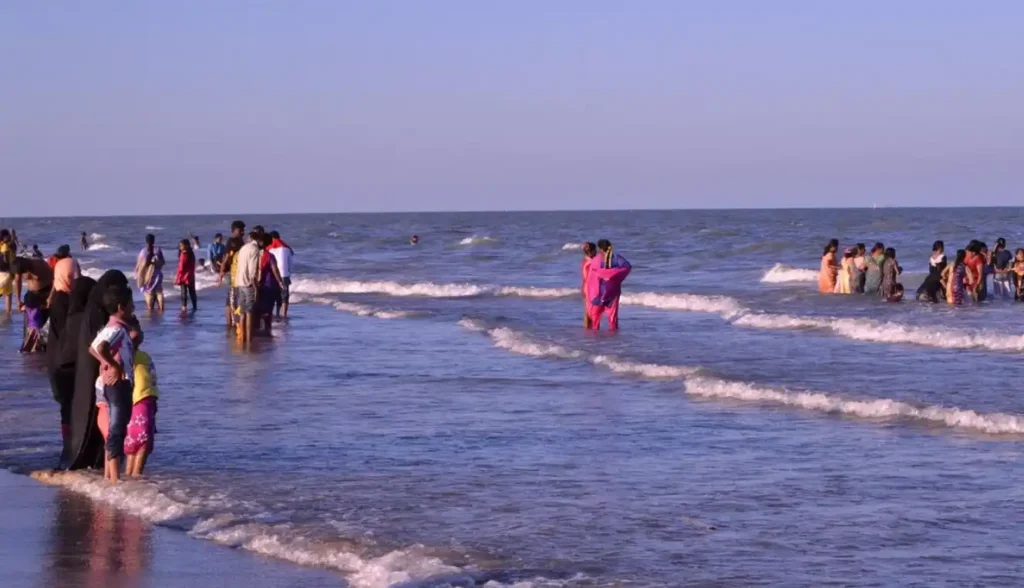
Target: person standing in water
589,251
415,240
955,278
975,270
890,274
873,275
1001,271
931,289
216,251
860,266
227,267
7,255
247,282
149,274
85,242
829,269
283,254
844,284
185,278
607,272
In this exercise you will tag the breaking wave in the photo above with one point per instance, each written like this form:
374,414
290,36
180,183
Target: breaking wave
726,307
782,273
572,246
153,228
97,237
475,240
362,309
422,289
99,247
882,409
213,520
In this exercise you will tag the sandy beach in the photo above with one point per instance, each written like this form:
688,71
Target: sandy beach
53,537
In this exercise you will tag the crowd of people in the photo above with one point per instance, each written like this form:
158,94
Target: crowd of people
105,385
963,280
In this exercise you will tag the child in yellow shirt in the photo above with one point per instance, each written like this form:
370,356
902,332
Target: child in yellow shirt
138,444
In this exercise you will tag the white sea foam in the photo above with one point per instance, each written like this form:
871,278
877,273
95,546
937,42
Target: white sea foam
876,409
422,289
723,305
153,228
522,344
99,247
572,247
93,272
781,273
97,237
362,309
697,385
206,519
477,240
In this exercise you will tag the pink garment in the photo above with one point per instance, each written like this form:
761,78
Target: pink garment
612,312
141,427
613,278
65,272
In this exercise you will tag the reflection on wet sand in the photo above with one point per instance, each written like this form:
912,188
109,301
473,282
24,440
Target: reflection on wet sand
95,545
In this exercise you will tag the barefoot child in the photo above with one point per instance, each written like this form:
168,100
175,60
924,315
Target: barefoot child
142,426
112,347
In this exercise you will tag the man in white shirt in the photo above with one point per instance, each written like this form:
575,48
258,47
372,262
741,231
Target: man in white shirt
248,260
283,254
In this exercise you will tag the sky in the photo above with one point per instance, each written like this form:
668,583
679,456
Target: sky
348,106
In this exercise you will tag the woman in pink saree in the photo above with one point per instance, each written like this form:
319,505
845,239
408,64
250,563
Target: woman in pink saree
604,285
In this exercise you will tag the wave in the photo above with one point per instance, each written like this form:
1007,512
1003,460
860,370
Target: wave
93,272
709,387
876,409
153,228
97,237
522,344
572,246
781,273
363,310
99,247
722,305
210,521
475,240
423,289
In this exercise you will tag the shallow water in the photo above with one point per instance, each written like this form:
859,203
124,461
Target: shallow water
434,414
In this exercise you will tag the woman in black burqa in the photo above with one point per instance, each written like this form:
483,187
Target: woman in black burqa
84,445
66,312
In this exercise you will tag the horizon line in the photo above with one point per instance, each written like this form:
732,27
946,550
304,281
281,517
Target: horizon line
4,219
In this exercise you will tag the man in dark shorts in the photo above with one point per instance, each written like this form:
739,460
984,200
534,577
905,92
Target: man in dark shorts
237,231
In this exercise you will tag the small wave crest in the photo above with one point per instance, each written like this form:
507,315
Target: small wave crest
362,309
572,247
709,387
153,228
477,240
781,273
99,247
97,237
318,286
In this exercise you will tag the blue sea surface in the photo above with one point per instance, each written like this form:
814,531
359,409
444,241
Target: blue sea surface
434,415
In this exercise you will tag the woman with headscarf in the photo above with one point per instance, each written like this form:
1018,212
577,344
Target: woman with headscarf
61,351
589,251
873,274
84,445
829,268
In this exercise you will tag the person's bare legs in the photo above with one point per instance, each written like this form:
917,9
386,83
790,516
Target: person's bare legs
284,310
129,464
160,301
114,468
247,321
140,461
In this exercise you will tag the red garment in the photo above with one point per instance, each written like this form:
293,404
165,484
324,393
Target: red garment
277,244
51,261
976,263
186,270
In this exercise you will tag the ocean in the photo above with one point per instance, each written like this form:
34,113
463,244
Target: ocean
434,415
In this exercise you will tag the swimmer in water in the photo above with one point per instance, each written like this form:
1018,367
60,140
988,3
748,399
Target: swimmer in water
415,240
85,242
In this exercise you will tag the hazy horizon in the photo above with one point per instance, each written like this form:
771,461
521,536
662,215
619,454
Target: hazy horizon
319,107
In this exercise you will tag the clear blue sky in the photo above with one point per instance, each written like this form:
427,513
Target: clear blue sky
197,106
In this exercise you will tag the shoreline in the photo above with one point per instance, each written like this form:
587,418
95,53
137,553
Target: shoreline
50,536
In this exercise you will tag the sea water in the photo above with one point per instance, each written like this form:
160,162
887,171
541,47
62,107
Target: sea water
435,415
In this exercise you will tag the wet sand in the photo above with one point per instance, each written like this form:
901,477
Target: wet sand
53,537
